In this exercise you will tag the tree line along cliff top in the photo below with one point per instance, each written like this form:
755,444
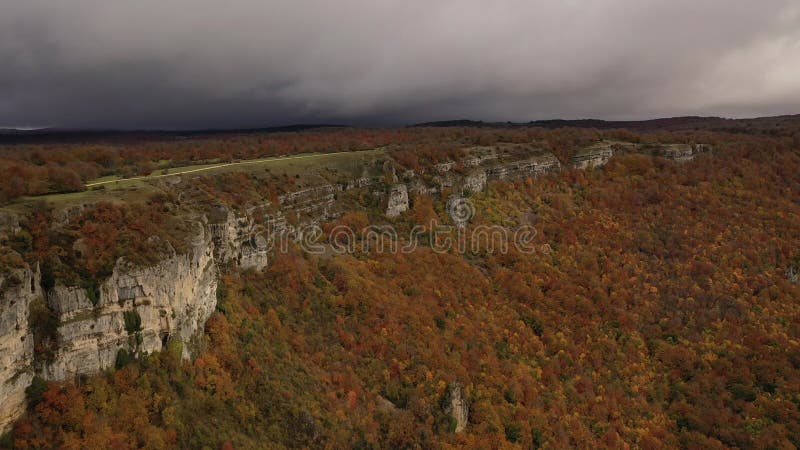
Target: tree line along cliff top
39,168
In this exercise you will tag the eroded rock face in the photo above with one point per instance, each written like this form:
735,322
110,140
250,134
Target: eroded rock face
678,153
681,153
592,157
9,223
138,309
172,299
535,166
457,407
480,160
238,242
474,182
793,275
398,200
20,288
444,167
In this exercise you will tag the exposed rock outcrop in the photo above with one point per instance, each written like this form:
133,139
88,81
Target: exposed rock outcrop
592,157
444,167
489,155
398,200
20,287
793,275
137,309
238,241
474,182
681,153
535,166
172,299
676,152
457,407
9,223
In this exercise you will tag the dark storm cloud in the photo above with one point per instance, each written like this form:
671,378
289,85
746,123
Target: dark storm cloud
201,63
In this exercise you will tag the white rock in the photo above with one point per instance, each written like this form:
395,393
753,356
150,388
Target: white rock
398,200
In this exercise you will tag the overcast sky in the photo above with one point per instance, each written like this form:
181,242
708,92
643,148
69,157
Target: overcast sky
242,63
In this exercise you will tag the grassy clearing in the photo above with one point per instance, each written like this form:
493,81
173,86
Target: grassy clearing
122,193
115,188
315,159
111,179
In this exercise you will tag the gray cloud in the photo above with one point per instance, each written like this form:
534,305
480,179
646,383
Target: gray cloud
202,63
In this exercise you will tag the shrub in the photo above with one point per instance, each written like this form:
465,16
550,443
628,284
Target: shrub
535,325
123,359
35,391
742,392
133,322
92,292
513,432
44,325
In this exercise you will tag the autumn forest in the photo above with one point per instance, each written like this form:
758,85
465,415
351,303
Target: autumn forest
661,310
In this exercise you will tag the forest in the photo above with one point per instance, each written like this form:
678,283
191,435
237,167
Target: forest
47,165
661,315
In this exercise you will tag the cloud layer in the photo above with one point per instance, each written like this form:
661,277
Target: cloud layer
240,63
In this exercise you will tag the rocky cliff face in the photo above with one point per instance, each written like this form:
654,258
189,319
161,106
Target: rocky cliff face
479,170
677,152
680,153
474,182
398,200
457,407
20,287
238,241
534,166
137,310
592,157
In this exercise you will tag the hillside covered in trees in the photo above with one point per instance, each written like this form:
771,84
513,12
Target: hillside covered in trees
660,310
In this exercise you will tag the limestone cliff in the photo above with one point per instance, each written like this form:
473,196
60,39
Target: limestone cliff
137,309
534,166
398,200
680,153
238,241
474,182
457,407
592,157
20,287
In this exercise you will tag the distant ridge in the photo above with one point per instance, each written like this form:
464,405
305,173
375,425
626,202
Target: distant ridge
653,124
12,135
776,126
463,123
686,123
